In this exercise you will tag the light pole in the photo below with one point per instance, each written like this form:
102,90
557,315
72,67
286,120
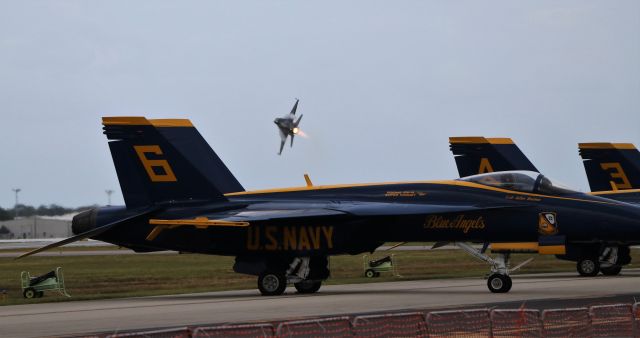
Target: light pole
15,206
109,192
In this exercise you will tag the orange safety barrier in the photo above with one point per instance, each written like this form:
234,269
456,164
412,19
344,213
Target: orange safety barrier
246,330
325,327
462,323
617,320
516,323
612,320
636,316
182,332
566,323
411,324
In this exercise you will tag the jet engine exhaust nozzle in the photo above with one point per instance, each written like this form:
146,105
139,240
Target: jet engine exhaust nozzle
84,221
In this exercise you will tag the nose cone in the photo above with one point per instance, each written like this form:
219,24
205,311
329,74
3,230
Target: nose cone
84,221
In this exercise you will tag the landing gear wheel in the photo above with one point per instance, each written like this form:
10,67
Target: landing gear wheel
29,293
611,271
39,294
499,283
588,267
272,283
308,286
369,273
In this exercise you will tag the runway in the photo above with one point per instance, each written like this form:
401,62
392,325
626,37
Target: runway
552,290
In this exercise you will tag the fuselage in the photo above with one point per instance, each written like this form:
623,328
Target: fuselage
497,215
285,124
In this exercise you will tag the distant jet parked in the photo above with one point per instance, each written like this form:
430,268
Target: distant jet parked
613,170
287,126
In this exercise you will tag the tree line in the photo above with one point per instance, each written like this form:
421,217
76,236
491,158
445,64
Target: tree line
43,210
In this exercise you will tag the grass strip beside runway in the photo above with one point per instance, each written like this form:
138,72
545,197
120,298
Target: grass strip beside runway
99,277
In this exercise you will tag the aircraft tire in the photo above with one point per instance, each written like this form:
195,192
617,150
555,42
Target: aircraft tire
272,283
611,271
499,283
369,273
588,267
29,293
308,286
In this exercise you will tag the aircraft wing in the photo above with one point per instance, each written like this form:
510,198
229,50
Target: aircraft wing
283,134
295,107
283,139
359,209
398,209
265,215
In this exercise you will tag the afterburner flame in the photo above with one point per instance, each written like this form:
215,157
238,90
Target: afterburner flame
296,130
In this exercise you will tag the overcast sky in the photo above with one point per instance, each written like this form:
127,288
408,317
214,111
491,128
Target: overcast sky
382,84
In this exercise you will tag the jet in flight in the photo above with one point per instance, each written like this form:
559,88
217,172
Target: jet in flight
287,126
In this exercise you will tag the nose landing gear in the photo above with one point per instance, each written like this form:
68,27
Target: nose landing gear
499,280
499,283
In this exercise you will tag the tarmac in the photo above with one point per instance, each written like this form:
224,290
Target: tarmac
116,315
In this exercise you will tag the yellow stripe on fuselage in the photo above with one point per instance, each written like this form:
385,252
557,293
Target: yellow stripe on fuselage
444,182
529,247
520,246
614,192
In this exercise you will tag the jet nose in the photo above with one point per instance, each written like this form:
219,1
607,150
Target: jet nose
84,221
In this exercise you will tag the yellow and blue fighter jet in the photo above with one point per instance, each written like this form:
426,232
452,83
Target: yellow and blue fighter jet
610,167
180,196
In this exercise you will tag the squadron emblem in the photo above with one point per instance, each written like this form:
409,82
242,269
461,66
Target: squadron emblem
547,223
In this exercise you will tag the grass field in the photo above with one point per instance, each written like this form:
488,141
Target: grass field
96,277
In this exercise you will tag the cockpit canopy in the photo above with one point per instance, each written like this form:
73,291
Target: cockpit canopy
523,181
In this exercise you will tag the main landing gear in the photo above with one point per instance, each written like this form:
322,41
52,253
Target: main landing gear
609,262
588,266
273,283
498,280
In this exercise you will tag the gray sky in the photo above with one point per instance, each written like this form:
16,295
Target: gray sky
382,85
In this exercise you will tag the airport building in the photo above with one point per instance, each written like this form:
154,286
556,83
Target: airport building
37,227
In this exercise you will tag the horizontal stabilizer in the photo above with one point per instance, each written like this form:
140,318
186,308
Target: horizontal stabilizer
87,234
198,223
